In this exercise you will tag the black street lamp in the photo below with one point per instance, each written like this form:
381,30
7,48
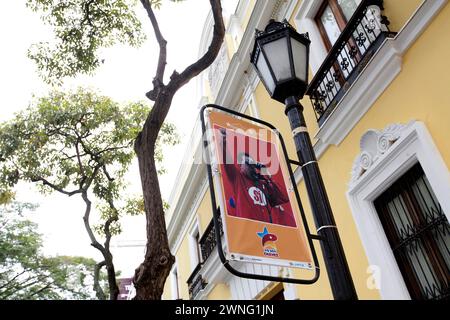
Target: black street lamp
281,59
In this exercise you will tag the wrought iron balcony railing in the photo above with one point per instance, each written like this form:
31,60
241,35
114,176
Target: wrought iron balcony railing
363,35
196,282
208,240
207,246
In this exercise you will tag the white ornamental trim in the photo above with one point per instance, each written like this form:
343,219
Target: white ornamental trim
374,144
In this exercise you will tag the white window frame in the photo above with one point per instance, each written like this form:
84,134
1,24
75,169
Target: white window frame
305,22
194,245
174,283
381,165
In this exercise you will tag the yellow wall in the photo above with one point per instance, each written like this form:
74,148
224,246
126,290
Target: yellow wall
399,11
273,112
220,292
204,212
182,257
184,268
420,92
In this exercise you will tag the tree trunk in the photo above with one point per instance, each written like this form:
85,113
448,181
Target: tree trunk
107,256
151,275
113,287
97,287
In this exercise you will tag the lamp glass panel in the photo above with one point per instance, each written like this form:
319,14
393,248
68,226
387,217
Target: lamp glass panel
277,53
264,71
300,59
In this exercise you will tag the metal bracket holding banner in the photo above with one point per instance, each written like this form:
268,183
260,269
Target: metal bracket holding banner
216,213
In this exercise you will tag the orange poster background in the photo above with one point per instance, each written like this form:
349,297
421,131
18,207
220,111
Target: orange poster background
241,233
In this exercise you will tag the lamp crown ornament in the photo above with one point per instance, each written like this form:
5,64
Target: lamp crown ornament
274,25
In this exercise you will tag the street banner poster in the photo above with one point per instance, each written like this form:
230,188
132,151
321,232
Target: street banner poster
259,212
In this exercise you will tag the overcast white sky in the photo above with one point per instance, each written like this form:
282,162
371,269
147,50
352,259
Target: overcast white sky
125,76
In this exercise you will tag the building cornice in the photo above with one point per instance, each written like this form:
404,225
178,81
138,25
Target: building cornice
230,90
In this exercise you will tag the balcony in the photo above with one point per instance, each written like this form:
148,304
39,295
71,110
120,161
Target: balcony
363,35
196,282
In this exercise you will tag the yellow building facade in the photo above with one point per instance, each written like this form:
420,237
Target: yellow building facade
378,117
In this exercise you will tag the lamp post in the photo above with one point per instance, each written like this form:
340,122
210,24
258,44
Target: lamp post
281,59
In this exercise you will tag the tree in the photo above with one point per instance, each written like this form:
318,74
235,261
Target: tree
81,28
78,143
27,274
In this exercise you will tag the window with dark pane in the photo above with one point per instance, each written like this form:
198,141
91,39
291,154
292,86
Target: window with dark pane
197,246
419,234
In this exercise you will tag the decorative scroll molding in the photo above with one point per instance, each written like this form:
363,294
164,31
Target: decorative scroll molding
373,145
218,70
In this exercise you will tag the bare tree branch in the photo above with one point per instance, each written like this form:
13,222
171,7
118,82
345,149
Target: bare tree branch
151,274
80,165
91,178
87,12
14,278
112,149
178,80
107,173
108,223
158,81
87,224
55,187
106,253
48,286
165,96
25,284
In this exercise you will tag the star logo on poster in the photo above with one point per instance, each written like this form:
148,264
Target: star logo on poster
268,243
257,196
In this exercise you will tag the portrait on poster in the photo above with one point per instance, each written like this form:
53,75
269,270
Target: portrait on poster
253,183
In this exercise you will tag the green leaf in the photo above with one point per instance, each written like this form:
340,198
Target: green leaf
81,29
25,273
